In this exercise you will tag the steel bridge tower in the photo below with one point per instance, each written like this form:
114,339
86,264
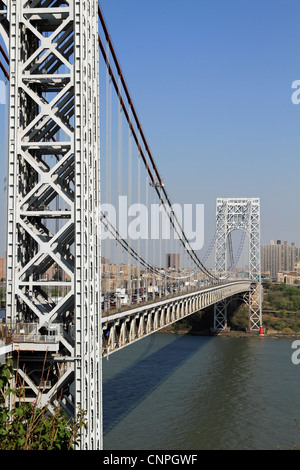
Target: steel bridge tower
238,214
53,205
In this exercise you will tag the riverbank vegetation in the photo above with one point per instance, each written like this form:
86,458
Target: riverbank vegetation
281,308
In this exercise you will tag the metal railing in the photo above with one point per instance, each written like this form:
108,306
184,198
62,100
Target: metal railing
28,333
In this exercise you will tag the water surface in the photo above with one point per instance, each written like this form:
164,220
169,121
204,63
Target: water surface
174,392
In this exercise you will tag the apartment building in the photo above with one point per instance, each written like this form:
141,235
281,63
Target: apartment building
3,268
278,257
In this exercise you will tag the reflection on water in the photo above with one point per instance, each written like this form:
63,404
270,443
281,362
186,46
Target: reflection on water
188,392
131,385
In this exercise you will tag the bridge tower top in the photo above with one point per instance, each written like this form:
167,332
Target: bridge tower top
238,214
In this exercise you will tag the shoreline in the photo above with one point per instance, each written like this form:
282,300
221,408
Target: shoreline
232,333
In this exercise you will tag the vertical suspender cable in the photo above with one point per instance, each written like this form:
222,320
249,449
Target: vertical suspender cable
108,171
119,248
147,238
139,238
129,204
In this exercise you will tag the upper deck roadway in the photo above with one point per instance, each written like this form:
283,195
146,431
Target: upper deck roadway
122,328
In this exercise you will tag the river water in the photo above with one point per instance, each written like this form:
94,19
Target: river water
180,392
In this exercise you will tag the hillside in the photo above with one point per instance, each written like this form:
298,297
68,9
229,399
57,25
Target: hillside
281,308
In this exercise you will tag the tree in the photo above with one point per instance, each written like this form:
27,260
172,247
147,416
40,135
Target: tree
27,427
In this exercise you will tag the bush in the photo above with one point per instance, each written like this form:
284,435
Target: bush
287,331
27,427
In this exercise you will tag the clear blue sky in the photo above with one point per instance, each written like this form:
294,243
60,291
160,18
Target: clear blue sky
211,83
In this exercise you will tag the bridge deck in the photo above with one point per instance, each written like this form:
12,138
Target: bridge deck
121,327
127,326
120,312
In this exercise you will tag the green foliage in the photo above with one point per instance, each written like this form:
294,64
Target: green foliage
6,371
199,321
25,426
240,320
281,308
2,295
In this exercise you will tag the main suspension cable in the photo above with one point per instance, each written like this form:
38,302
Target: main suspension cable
157,184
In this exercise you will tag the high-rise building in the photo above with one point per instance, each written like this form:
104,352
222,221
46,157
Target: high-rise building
173,261
3,268
278,257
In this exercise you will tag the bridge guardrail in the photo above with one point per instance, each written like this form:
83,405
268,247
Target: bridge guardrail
27,333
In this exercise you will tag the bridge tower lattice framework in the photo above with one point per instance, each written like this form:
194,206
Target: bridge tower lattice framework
53,205
239,214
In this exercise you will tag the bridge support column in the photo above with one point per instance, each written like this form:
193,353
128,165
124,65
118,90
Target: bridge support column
239,214
53,203
220,316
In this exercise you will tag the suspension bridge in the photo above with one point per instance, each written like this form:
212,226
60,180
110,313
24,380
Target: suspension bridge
98,257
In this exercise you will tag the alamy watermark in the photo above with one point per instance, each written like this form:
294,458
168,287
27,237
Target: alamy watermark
296,94
140,222
296,353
